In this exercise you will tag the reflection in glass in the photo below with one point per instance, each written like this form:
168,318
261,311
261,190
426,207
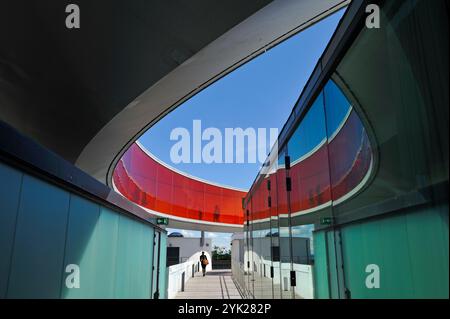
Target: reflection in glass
284,228
369,168
310,195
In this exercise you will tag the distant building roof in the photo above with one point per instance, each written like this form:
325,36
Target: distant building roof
176,234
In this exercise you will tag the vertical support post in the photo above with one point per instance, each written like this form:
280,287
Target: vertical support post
202,238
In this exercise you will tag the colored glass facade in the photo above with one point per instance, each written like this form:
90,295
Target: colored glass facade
361,178
144,180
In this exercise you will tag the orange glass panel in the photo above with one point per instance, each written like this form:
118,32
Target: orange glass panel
143,180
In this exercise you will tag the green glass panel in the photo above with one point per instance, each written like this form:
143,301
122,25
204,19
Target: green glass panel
134,259
428,248
37,262
320,266
105,248
163,268
410,249
83,218
333,275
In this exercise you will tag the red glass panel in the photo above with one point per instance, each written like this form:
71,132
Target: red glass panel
143,180
311,178
282,206
273,194
164,190
351,156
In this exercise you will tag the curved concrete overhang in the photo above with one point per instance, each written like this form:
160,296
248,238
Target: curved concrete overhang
60,86
272,24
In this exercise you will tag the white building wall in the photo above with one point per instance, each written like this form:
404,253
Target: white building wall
189,246
190,251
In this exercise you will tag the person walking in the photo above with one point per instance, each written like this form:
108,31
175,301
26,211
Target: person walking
204,262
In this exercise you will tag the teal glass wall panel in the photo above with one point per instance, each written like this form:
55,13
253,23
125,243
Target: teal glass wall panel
9,203
37,262
397,282
363,245
143,263
428,247
134,259
332,269
163,268
321,290
83,218
105,250
410,249
44,228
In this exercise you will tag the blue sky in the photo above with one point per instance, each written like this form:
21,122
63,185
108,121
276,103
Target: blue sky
259,94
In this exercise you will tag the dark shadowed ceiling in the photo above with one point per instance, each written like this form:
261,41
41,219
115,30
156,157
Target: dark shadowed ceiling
61,86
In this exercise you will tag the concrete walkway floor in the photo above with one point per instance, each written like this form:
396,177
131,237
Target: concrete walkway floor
217,284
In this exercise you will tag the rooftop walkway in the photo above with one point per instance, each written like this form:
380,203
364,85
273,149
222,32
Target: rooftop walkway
217,284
